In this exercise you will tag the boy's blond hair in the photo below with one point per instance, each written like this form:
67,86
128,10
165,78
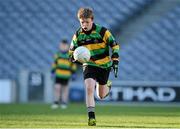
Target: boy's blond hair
85,13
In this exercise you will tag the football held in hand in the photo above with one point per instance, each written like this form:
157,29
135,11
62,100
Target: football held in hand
82,54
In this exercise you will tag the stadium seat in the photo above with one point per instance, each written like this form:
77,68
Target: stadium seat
30,31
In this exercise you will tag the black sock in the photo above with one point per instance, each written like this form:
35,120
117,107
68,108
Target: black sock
56,102
91,112
91,115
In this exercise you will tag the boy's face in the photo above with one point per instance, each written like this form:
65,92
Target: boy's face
64,47
86,23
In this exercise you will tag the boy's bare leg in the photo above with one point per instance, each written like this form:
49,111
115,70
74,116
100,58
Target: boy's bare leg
65,95
57,91
90,102
103,90
57,96
90,87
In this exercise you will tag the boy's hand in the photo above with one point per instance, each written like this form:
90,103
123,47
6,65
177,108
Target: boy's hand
115,67
74,61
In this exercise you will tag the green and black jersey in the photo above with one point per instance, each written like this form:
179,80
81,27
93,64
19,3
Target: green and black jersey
62,67
98,41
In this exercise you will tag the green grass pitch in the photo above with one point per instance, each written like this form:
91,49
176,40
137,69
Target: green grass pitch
75,116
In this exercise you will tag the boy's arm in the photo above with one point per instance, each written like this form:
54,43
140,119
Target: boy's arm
54,65
73,70
73,67
115,50
73,46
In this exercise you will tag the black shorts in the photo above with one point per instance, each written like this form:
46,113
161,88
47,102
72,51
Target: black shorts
61,81
99,74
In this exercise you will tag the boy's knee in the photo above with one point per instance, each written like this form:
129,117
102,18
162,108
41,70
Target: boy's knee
101,96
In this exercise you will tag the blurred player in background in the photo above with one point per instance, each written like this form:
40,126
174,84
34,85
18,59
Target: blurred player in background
97,39
62,70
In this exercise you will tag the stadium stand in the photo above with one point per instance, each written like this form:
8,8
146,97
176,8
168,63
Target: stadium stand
153,53
30,31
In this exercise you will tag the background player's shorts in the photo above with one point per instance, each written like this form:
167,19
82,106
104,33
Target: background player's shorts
99,74
61,81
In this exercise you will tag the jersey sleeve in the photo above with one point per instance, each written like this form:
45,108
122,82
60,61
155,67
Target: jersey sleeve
73,67
54,65
113,44
73,45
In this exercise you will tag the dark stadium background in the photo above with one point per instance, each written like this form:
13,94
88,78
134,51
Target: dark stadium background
147,30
